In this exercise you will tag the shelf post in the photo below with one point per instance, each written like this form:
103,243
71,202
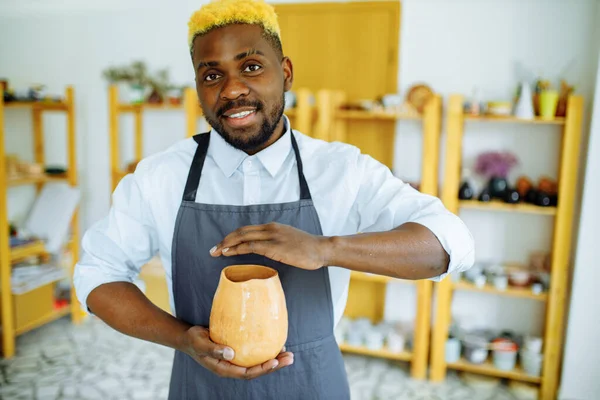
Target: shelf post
304,112
322,128
76,312
192,111
8,333
562,243
339,129
139,140
38,140
429,185
450,200
113,101
432,123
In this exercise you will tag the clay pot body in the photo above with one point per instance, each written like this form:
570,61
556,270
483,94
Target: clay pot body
249,314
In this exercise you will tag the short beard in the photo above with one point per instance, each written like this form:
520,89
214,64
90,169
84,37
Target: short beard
266,130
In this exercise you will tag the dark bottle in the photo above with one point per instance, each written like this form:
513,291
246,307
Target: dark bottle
543,199
531,196
498,187
465,192
485,195
512,196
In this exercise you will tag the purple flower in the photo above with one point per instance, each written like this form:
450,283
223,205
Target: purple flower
495,164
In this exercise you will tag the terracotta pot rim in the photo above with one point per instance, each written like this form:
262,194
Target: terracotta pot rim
273,273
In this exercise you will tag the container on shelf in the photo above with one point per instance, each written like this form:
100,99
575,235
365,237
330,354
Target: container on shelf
504,354
533,344
531,362
453,350
395,342
480,281
501,282
374,339
476,348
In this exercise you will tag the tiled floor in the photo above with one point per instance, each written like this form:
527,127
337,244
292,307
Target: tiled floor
92,361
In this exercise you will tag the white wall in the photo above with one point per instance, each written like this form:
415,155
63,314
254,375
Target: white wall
453,46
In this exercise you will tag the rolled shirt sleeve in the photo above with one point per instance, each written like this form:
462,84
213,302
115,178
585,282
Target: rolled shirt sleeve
115,248
385,202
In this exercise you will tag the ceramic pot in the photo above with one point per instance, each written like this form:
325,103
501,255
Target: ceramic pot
465,192
498,187
485,195
505,354
512,196
249,314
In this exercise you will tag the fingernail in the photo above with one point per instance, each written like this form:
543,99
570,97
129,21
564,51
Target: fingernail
276,364
228,353
213,249
225,249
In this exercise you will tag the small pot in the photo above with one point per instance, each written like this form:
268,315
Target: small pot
504,354
476,349
533,344
501,282
395,342
453,349
531,363
479,281
519,278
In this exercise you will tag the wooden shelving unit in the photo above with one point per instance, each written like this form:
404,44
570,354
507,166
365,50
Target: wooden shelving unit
367,293
509,291
487,368
561,245
20,313
382,353
495,205
189,107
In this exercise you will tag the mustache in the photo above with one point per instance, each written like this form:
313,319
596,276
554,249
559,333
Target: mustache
239,103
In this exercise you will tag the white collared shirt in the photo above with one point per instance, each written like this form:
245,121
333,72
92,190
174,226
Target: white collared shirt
351,192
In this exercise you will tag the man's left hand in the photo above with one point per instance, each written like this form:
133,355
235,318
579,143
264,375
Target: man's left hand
282,243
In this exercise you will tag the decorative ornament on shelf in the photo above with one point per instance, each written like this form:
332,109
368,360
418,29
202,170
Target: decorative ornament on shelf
495,166
524,102
142,86
418,96
466,191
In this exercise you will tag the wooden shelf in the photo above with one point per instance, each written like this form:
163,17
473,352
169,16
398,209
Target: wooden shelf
22,313
148,106
376,115
363,276
510,291
38,105
37,179
487,368
497,205
19,253
54,315
536,120
383,353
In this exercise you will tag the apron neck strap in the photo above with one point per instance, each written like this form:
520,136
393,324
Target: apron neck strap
193,180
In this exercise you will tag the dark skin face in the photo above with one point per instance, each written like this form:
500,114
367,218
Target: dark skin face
240,80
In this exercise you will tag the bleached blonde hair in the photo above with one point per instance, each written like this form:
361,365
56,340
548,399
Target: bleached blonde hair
219,13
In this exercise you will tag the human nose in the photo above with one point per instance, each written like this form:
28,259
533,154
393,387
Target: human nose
234,88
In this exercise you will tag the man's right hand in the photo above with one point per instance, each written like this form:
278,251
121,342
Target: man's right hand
216,358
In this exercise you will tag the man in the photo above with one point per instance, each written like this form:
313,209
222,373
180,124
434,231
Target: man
252,190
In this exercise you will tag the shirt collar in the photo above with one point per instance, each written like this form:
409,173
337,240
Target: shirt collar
228,158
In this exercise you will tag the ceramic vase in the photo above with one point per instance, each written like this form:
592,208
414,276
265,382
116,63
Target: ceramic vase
524,107
249,314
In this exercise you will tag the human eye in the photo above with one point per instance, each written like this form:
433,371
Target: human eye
252,68
211,77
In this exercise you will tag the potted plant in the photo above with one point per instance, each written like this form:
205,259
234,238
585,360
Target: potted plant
134,77
494,167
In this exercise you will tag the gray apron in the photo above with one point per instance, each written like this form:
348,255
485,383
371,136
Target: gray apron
318,371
